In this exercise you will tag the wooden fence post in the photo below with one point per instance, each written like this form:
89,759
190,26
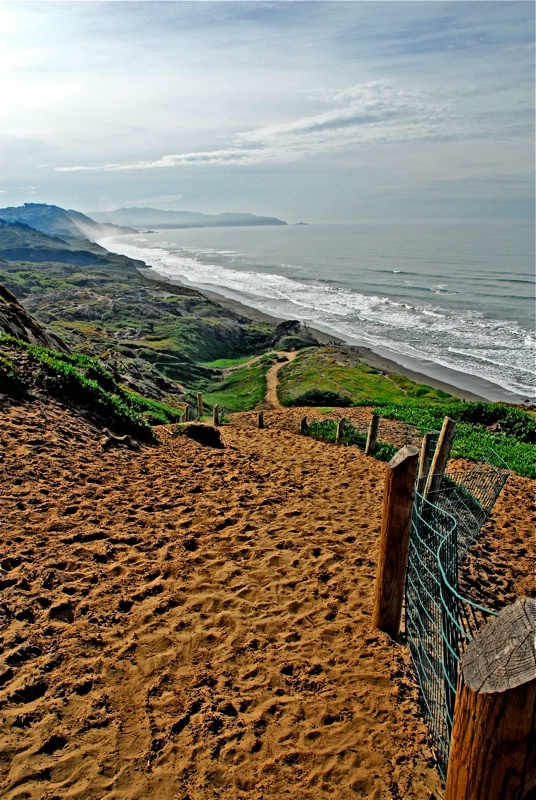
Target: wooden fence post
372,435
394,540
200,404
303,425
260,419
424,461
340,429
493,745
186,413
441,455
215,412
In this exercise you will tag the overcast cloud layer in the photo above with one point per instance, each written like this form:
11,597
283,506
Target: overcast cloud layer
302,110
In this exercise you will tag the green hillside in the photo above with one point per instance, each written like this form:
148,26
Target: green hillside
155,335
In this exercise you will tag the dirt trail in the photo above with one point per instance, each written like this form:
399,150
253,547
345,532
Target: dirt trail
272,381
189,622
228,370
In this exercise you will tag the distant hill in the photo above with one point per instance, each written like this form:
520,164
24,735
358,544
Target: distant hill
154,217
56,221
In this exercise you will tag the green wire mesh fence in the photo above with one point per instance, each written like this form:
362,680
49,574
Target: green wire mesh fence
439,621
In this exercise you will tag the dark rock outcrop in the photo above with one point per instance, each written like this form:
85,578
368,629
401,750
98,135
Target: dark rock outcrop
15,320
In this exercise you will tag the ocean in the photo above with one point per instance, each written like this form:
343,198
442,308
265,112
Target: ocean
452,301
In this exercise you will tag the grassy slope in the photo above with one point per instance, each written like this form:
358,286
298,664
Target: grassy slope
510,432
27,370
244,388
99,303
327,369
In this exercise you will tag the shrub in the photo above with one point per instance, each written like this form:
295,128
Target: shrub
153,412
321,397
293,343
384,451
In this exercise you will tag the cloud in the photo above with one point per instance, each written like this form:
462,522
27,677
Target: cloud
376,112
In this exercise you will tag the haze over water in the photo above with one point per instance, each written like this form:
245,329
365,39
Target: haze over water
453,301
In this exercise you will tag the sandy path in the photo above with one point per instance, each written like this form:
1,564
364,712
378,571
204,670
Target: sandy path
272,382
188,622
183,622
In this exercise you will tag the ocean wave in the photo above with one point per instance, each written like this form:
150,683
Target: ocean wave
464,341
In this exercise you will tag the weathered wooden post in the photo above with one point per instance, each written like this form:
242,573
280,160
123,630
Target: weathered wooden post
260,419
441,455
424,461
186,413
372,435
493,744
340,429
200,404
216,414
303,425
394,540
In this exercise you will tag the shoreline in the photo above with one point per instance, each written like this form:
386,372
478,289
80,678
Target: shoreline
362,353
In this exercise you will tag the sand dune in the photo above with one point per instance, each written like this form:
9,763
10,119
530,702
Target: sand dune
186,622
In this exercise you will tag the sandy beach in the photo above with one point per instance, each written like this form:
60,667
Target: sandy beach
362,354
189,623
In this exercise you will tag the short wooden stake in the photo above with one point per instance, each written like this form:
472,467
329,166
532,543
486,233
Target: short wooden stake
186,414
372,435
260,419
200,404
394,540
441,455
340,429
493,744
424,461
215,412
303,425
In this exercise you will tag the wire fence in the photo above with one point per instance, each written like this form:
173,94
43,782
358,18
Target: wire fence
439,621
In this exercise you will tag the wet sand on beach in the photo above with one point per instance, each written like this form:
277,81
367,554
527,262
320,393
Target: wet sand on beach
362,354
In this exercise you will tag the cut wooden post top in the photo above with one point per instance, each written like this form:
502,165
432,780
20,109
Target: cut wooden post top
502,655
403,453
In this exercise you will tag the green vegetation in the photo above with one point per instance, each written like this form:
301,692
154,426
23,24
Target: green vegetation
85,381
316,397
317,374
326,430
290,334
99,302
226,363
243,389
512,434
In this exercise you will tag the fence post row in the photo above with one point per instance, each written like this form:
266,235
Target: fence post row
372,435
493,744
394,540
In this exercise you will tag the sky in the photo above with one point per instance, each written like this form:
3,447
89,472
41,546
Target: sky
308,111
